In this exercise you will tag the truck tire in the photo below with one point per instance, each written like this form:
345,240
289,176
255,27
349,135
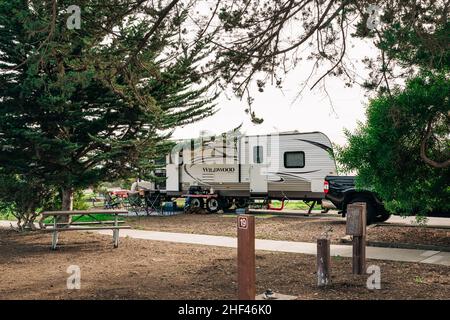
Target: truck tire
212,205
383,215
370,206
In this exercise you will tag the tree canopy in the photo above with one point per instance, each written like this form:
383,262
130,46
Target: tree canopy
402,151
76,106
270,37
89,103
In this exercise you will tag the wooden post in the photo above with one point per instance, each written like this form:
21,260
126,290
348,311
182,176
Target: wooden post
356,226
55,233
323,262
246,257
359,254
116,231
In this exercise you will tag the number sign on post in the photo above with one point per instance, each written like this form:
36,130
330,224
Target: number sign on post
356,219
246,257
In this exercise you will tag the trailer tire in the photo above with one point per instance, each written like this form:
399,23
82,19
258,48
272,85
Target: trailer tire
196,203
226,203
241,202
212,205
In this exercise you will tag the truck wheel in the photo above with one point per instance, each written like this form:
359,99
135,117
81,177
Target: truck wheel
370,206
197,202
212,205
383,215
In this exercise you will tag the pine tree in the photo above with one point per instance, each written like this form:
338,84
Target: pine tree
79,106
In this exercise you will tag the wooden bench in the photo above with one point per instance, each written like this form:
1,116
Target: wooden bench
73,225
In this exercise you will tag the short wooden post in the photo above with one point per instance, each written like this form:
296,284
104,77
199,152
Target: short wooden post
116,231
55,233
359,254
246,257
323,262
356,226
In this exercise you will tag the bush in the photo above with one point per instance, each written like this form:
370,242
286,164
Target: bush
23,197
386,150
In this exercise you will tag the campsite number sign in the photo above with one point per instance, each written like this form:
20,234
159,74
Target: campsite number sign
356,219
243,222
246,257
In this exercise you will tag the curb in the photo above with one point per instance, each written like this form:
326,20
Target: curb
431,226
408,246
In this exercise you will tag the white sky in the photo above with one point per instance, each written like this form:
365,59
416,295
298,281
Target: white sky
280,112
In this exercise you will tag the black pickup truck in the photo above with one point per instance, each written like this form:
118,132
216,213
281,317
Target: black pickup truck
341,191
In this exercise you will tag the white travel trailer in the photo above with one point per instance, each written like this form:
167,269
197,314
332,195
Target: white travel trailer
233,168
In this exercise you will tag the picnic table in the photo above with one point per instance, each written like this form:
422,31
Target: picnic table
75,225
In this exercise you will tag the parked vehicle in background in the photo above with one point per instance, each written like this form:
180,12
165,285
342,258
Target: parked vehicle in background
341,191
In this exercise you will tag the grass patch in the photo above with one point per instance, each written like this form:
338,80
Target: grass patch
295,205
7,216
6,212
98,217
259,216
337,258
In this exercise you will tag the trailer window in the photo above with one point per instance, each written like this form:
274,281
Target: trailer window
294,159
258,154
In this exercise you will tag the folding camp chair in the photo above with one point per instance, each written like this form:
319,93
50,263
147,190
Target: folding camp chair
135,203
112,203
153,201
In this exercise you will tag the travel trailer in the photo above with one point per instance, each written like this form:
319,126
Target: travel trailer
219,171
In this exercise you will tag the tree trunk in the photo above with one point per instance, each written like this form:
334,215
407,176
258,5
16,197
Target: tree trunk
67,199
66,203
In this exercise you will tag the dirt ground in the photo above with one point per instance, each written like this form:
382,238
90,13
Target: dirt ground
142,269
306,229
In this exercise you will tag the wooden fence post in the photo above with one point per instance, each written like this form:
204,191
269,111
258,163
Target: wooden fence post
359,254
323,262
246,257
356,226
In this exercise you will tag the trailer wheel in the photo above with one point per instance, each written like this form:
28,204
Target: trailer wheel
212,205
226,203
241,202
196,203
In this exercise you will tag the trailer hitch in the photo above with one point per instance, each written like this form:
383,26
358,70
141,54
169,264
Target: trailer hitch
274,208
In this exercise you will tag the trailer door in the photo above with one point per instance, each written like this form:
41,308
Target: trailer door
258,168
258,179
173,177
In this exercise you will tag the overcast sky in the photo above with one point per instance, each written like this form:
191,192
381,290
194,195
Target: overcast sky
281,112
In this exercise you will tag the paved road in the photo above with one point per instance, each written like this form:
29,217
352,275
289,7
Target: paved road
332,214
394,254
431,221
